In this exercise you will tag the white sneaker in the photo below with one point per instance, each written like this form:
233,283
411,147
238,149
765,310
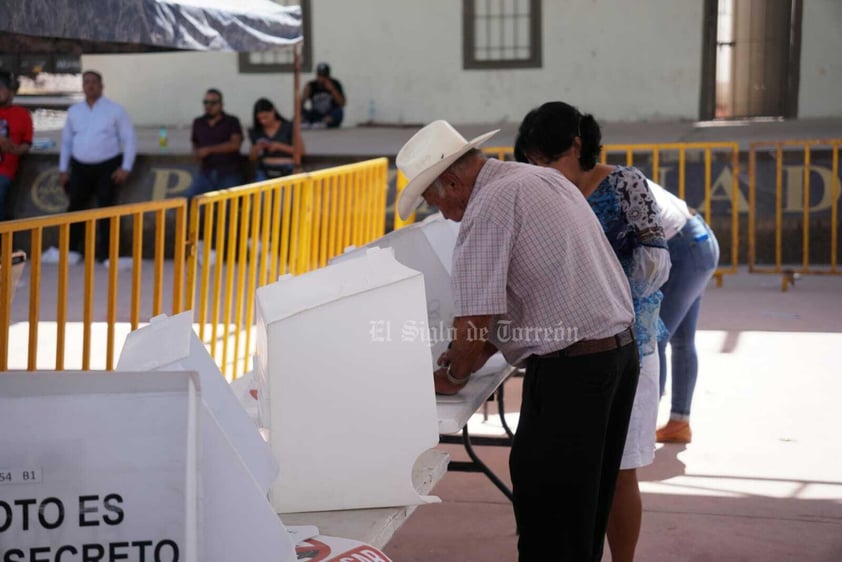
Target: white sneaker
123,264
73,257
259,246
50,255
200,252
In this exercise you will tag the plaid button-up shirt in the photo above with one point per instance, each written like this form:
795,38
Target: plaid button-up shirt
531,253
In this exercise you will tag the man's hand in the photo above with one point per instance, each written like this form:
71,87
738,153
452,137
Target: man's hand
202,153
63,178
119,175
6,145
443,385
482,358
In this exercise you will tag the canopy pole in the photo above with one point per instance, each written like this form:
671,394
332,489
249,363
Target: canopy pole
297,144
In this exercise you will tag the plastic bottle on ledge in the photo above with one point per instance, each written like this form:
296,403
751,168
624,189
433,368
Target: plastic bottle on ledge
371,111
163,140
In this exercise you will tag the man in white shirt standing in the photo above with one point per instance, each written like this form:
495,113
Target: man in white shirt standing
98,147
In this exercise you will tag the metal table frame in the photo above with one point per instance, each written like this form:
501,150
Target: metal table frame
476,464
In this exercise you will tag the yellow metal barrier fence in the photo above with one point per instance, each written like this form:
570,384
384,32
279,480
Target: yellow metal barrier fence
662,157
677,156
798,204
75,291
246,237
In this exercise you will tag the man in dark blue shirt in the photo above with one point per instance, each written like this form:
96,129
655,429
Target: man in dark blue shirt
216,139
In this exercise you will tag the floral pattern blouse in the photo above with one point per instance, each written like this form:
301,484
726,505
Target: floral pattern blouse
629,215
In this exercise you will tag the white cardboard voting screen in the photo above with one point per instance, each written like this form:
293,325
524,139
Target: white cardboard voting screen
347,402
124,466
170,344
427,247
235,504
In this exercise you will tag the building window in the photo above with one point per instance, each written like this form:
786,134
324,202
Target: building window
501,34
751,58
282,60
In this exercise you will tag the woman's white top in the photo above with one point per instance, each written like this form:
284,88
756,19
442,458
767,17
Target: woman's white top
674,211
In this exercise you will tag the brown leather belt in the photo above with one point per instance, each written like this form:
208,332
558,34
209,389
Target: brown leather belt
587,347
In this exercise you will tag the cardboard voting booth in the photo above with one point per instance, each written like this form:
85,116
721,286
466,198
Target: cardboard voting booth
171,344
344,395
426,246
125,466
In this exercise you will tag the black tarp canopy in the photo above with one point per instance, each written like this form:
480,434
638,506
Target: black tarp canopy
130,26
119,26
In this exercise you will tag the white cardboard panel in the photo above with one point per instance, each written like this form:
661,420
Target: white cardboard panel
99,459
427,247
170,344
347,404
130,457
239,523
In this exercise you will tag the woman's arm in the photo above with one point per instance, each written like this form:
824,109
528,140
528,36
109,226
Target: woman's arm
650,258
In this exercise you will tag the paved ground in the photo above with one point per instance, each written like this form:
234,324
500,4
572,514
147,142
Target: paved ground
762,479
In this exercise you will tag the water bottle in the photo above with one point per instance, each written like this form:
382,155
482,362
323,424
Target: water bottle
163,141
371,111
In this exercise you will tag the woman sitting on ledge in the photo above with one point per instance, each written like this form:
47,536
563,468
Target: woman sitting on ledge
271,142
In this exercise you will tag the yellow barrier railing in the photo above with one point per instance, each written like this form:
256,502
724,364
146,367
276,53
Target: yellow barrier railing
245,237
78,288
805,150
658,154
400,185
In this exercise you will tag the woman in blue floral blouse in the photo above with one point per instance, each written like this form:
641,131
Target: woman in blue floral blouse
557,135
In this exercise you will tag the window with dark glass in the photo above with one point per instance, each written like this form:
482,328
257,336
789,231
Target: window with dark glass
501,34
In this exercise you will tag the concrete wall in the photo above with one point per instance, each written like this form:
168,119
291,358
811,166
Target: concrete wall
622,60
167,89
821,65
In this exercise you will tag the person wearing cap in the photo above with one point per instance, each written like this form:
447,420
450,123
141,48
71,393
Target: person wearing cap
326,98
98,147
15,137
534,276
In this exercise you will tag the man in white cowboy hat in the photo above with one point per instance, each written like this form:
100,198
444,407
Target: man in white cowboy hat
534,274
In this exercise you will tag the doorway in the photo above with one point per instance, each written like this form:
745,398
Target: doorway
751,59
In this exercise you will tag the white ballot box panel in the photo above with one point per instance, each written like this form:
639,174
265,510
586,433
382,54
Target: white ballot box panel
99,460
455,411
238,521
347,401
427,247
171,344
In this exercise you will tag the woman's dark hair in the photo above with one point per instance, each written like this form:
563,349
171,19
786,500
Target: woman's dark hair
260,106
550,129
213,91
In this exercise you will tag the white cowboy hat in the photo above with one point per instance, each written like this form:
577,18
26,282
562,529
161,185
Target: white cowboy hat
426,155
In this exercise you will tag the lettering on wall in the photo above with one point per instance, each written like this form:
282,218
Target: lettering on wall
794,192
723,188
48,194
170,182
